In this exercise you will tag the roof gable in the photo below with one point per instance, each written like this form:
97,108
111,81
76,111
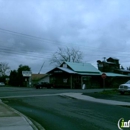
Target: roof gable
62,69
67,70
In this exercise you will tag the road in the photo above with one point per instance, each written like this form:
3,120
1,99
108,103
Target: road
60,113
19,91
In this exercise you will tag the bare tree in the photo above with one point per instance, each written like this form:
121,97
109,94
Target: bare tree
66,54
4,67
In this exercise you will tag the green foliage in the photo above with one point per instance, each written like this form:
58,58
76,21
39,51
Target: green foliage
2,79
13,78
113,91
20,76
105,94
16,77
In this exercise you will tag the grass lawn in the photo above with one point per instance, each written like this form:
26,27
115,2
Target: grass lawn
110,95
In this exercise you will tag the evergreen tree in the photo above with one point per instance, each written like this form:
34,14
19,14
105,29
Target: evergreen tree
16,77
20,76
13,78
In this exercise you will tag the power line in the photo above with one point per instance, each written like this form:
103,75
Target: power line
29,53
48,40
25,35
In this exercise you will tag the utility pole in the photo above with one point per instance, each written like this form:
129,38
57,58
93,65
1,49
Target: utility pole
41,67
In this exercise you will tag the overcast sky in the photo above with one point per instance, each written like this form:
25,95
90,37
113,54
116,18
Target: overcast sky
99,28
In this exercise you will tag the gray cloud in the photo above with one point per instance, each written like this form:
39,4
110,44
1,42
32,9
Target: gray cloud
98,28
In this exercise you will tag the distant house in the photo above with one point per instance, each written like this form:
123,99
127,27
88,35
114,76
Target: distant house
74,75
112,65
39,78
45,78
109,65
115,75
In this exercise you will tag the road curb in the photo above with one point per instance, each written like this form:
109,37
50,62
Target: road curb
35,125
40,127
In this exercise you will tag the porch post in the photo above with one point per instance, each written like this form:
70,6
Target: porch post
71,80
81,82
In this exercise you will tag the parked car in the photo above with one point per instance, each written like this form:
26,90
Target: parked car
2,84
38,85
43,85
123,88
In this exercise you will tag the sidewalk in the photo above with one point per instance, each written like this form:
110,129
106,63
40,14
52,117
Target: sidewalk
92,99
11,119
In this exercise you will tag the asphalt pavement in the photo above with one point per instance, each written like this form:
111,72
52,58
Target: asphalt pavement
11,119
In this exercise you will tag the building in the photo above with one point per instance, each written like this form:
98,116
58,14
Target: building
122,71
45,78
37,77
112,65
109,65
74,75
115,75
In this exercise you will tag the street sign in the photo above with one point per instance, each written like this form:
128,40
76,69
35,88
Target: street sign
26,73
104,75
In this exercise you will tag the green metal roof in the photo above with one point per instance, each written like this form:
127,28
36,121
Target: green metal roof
90,74
115,75
82,67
